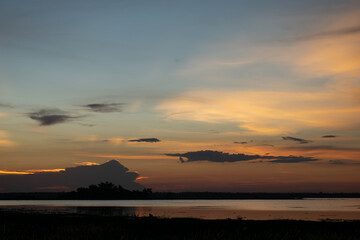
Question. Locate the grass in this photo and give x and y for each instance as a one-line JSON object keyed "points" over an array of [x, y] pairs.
{"points": [[17, 225]]}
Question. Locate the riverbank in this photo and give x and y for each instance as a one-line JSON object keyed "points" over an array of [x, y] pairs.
{"points": [[17, 225]]}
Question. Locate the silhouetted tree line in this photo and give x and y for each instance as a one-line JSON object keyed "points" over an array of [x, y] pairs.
{"points": [[107, 190]]}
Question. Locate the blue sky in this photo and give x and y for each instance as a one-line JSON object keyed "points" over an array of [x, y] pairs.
{"points": [[198, 75]]}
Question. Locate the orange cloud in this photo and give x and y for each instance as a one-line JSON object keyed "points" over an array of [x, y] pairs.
{"points": [[3, 134], [116, 141], [332, 53], [87, 163], [90, 138], [264, 112], [139, 178], [125, 157], [5, 142], [45, 170], [12, 172], [325, 152], [23, 172]]}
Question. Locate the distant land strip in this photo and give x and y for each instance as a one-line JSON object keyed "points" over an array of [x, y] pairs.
{"points": [[179, 195]]}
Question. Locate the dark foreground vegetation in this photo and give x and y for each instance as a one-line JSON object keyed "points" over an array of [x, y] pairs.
{"points": [[17, 225], [108, 190]]}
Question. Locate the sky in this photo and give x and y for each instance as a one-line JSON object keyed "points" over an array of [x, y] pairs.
{"points": [[239, 96]]}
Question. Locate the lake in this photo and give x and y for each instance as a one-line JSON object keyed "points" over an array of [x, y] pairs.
{"points": [[300, 209]]}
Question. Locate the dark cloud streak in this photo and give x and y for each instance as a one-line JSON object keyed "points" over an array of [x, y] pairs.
{"points": [[48, 117], [298, 140], [215, 156], [323, 148], [329, 136], [104, 107], [151, 140]]}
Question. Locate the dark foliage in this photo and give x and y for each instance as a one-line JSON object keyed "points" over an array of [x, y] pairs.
{"points": [[107, 190], [21, 226]]}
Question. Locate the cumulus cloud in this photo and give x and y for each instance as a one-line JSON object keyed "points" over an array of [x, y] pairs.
{"points": [[71, 178], [151, 140], [47, 117], [216, 156], [104, 107], [298, 140]]}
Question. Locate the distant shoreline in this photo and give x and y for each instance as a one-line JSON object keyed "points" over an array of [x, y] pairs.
{"points": [[177, 196]]}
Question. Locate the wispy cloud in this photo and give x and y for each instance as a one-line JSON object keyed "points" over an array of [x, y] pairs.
{"points": [[344, 162], [3, 134], [104, 107], [122, 157], [4, 105], [22, 172], [12, 172], [48, 117], [298, 140], [264, 112], [115, 141], [4, 142], [326, 152], [293, 159], [240, 142], [150, 140], [319, 78], [332, 33], [87, 163], [140, 178], [323, 147], [216, 156]]}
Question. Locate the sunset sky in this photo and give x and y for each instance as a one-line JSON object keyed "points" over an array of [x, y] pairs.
{"points": [[241, 96]]}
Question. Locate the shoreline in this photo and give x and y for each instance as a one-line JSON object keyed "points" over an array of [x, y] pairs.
{"points": [[178, 196], [203, 213]]}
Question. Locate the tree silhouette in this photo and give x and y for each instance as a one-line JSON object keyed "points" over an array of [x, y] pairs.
{"points": [[108, 190]]}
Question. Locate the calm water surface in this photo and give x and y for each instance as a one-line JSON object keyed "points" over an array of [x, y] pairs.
{"points": [[305, 209]]}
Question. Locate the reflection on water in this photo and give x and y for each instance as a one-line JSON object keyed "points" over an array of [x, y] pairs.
{"points": [[106, 211], [307, 209]]}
